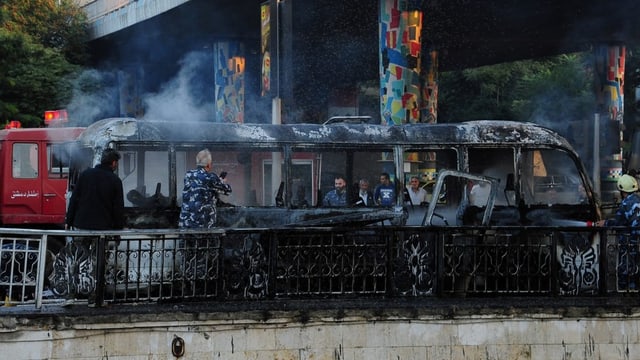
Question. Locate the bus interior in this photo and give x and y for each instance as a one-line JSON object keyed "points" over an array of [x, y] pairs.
{"points": [[522, 183]]}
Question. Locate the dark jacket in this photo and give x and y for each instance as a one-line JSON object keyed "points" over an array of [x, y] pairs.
{"points": [[360, 202], [97, 201]]}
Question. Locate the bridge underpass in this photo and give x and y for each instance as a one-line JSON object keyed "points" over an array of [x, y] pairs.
{"points": [[328, 58], [467, 33], [326, 47]]}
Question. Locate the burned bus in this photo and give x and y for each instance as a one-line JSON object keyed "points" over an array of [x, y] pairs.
{"points": [[510, 173], [500, 200]]}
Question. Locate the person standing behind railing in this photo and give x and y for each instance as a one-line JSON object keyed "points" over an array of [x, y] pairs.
{"points": [[200, 194], [385, 193], [96, 203], [199, 198], [364, 196], [338, 196], [417, 195], [628, 214]]}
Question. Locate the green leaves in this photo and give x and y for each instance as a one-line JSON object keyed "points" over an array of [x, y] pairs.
{"points": [[530, 90], [41, 44]]}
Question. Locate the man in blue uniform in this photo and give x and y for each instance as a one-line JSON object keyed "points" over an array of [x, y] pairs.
{"points": [[198, 211], [200, 194], [337, 196], [628, 214]]}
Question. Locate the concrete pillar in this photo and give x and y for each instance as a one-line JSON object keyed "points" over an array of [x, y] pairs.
{"points": [[229, 65], [609, 84], [429, 107], [131, 80], [400, 62]]}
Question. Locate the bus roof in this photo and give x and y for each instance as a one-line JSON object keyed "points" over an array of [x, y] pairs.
{"points": [[486, 132]]}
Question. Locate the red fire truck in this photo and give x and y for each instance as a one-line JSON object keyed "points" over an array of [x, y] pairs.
{"points": [[34, 170]]}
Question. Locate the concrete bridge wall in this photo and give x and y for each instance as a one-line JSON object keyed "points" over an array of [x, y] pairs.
{"points": [[109, 16], [323, 336]]}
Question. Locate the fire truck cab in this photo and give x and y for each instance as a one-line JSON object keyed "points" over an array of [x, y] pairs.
{"points": [[34, 168]]}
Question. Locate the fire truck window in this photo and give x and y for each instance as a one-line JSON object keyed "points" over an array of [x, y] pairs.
{"points": [[25, 161], [58, 161]]}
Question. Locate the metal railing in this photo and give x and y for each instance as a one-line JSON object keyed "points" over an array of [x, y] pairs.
{"points": [[292, 263]]}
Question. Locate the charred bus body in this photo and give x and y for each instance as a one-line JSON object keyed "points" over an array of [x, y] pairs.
{"points": [[511, 173], [492, 187]]}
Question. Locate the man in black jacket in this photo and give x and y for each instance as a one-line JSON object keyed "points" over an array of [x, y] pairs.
{"points": [[364, 197], [97, 203]]}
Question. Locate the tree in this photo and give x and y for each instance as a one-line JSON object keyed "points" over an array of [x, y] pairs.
{"points": [[562, 91], [557, 89], [42, 44]]}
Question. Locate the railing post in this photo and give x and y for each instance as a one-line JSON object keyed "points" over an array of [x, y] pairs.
{"points": [[221, 284], [604, 262], [272, 240], [554, 270], [42, 264], [391, 239], [439, 259], [100, 269]]}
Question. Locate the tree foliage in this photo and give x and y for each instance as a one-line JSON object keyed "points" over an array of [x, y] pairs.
{"points": [[42, 44], [558, 89]]}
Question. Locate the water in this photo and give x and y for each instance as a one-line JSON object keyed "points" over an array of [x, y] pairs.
{"points": [[565, 222]]}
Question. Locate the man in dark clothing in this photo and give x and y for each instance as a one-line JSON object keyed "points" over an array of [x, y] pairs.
{"points": [[385, 192], [97, 203], [364, 197]]}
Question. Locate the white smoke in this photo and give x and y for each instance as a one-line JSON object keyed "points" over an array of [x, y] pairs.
{"points": [[182, 98], [94, 93]]}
